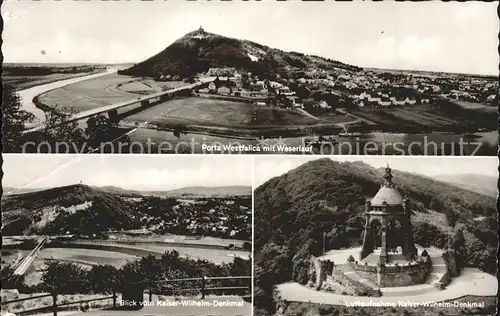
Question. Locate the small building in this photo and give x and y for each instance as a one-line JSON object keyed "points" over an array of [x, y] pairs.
{"points": [[257, 86], [410, 100], [385, 102], [212, 87]]}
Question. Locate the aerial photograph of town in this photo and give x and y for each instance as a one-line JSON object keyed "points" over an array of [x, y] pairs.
{"points": [[384, 235], [248, 78], [126, 235]]}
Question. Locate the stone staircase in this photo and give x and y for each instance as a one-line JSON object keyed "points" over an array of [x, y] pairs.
{"points": [[438, 271]]}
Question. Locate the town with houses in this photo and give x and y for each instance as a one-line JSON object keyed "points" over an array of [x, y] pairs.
{"points": [[320, 90], [227, 217]]}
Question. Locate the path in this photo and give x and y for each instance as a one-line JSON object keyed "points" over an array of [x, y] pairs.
{"points": [[470, 282], [307, 114]]}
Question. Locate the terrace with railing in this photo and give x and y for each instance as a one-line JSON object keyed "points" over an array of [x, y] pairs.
{"points": [[135, 292]]}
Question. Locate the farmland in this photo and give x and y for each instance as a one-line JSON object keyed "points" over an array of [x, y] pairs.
{"points": [[444, 116], [196, 110], [24, 76], [88, 94]]}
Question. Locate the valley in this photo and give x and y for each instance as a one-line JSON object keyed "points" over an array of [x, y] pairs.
{"points": [[246, 91]]}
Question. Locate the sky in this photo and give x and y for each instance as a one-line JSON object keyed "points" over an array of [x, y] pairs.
{"points": [[434, 35], [133, 172], [267, 167]]}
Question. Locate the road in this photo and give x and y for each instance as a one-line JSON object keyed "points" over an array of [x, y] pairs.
{"points": [[116, 106], [470, 282], [107, 108]]}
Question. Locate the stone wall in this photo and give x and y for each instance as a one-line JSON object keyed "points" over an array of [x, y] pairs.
{"points": [[451, 265], [314, 273], [354, 287], [391, 276]]}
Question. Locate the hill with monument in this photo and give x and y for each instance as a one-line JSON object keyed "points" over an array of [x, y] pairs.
{"points": [[198, 51], [382, 226]]}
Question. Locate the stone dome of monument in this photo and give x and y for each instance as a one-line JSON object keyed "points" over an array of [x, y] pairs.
{"points": [[388, 193], [391, 196]]}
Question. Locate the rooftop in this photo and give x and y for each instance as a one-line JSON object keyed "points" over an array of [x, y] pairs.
{"points": [[388, 193]]}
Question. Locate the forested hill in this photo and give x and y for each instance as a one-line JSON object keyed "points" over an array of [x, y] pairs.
{"points": [[198, 51], [83, 210], [293, 211], [74, 208], [305, 198]]}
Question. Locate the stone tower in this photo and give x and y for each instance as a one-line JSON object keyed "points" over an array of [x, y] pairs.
{"points": [[384, 213]]}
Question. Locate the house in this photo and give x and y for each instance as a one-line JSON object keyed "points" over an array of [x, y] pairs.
{"points": [[323, 105], [374, 98], [295, 102], [212, 88], [385, 102], [410, 100], [397, 101], [257, 86], [363, 95]]}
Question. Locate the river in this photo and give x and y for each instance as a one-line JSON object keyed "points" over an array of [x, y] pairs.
{"points": [[27, 95]]}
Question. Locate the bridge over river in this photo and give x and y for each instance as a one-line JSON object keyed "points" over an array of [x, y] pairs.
{"points": [[112, 109], [26, 262]]}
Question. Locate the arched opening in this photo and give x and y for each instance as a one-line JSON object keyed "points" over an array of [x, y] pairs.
{"points": [[394, 235], [376, 233]]}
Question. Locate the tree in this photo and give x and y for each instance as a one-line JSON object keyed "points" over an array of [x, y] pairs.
{"points": [[14, 120], [61, 135], [64, 278], [458, 245], [104, 279], [245, 81], [9, 279], [99, 128]]}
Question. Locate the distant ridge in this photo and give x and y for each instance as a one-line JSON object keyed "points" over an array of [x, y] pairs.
{"points": [[473, 182], [212, 191], [203, 191]]}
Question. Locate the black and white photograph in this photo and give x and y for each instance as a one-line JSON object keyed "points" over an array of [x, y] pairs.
{"points": [[126, 235], [258, 77], [375, 236]]}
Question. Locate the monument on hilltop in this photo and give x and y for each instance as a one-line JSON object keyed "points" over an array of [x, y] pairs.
{"points": [[388, 228]]}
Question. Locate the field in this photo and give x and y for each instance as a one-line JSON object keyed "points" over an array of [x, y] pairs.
{"points": [[88, 94], [148, 86], [27, 76], [196, 110], [446, 117], [277, 116]]}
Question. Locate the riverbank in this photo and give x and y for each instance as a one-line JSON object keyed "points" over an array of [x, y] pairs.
{"points": [[30, 97]]}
